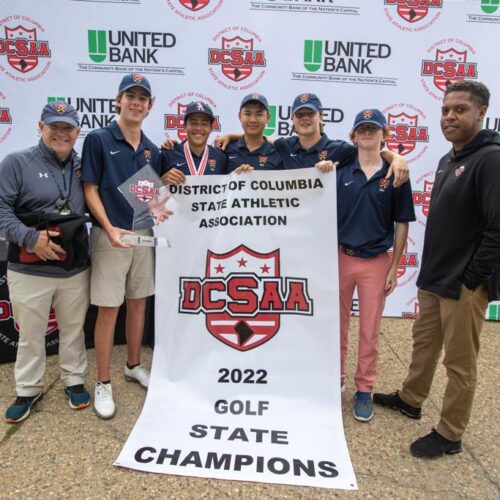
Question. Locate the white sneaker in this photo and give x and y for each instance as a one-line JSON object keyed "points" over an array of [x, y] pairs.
{"points": [[104, 406], [137, 374]]}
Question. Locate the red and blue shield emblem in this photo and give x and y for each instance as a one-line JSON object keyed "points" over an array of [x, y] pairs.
{"points": [[246, 327], [234, 72], [23, 64]]}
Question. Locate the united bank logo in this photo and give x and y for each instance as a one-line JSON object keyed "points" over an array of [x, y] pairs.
{"points": [[484, 12], [239, 62], [416, 14], [489, 6], [25, 49], [243, 296], [452, 62], [280, 124], [5, 119], [195, 10], [340, 61], [123, 51], [174, 121], [94, 112], [409, 134]]}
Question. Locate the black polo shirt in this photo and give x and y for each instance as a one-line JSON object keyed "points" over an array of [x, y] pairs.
{"points": [[368, 209]]}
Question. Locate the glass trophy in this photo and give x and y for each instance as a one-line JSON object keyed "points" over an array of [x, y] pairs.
{"points": [[147, 196]]}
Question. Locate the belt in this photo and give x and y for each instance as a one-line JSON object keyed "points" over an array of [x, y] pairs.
{"points": [[352, 252]]}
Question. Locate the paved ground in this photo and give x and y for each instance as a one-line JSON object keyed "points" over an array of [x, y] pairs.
{"points": [[60, 453]]}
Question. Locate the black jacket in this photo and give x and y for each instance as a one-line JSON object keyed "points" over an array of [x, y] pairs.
{"points": [[462, 236]]}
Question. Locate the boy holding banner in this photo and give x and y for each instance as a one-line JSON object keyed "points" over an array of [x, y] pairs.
{"points": [[253, 150]]}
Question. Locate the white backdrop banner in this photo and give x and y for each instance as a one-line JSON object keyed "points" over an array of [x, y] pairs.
{"points": [[395, 55], [245, 381]]}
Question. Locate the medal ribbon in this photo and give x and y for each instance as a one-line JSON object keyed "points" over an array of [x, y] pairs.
{"points": [[189, 159]]}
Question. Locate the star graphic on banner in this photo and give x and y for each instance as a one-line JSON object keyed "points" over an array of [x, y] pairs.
{"points": [[265, 269], [242, 262], [219, 268]]}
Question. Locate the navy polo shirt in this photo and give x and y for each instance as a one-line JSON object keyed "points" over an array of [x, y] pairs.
{"points": [[265, 157], [294, 155], [108, 160], [367, 209], [175, 158]]}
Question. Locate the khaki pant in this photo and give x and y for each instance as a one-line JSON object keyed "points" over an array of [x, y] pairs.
{"points": [[32, 298], [120, 272], [456, 325]]}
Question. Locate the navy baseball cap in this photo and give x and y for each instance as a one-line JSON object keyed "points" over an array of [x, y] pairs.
{"points": [[198, 107], [259, 98], [306, 100], [135, 80], [373, 116], [60, 111]]}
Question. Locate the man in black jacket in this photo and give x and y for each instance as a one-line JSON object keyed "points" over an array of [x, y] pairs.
{"points": [[460, 270]]}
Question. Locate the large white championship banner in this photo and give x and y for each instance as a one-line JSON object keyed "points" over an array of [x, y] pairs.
{"points": [[395, 55], [245, 381]]}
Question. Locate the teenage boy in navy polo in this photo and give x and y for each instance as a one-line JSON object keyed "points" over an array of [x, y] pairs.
{"points": [[110, 156], [253, 150], [372, 216], [311, 147], [193, 156]]}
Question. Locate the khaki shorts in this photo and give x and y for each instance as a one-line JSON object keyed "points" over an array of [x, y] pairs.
{"points": [[119, 272]]}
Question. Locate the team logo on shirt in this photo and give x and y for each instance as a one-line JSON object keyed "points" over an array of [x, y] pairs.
{"points": [[459, 170], [323, 154], [243, 296], [450, 65], [262, 160], [145, 190], [383, 184], [212, 164], [24, 50], [147, 155], [237, 58], [407, 131]]}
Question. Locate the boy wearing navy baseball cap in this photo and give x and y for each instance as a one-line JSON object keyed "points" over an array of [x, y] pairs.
{"points": [[110, 156]]}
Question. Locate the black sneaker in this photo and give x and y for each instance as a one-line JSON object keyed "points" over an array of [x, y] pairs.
{"points": [[394, 402], [434, 445], [20, 409], [78, 396]]}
